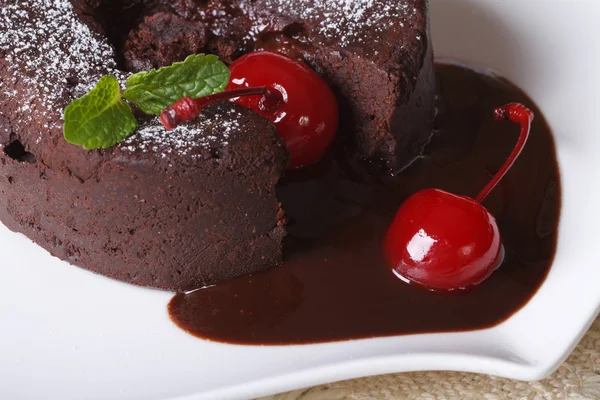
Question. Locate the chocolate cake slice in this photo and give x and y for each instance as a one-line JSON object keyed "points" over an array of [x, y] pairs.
{"points": [[377, 55], [176, 212], [173, 210], [183, 209]]}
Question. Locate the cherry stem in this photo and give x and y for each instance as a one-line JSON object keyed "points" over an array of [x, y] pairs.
{"points": [[513, 112], [188, 109]]}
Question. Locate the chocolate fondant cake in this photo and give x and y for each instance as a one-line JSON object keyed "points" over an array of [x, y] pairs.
{"points": [[183, 209]]}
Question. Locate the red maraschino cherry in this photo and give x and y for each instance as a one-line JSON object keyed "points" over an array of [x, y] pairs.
{"points": [[284, 91], [307, 119], [444, 241]]}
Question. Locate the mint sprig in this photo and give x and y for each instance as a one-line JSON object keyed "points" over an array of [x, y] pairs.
{"points": [[102, 118], [199, 75]]}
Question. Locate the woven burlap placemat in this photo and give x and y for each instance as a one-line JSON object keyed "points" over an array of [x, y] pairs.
{"points": [[577, 378]]}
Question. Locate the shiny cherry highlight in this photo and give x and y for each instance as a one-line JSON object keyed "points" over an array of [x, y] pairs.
{"points": [[307, 117], [443, 241]]}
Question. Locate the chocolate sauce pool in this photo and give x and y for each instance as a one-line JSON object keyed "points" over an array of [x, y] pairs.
{"points": [[334, 284]]}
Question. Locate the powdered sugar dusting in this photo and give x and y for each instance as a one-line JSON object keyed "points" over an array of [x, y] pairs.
{"points": [[51, 54], [347, 21], [54, 57], [207, 132]]}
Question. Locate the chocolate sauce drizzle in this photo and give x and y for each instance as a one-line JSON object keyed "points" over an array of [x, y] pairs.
{"points": [[334, 284]]}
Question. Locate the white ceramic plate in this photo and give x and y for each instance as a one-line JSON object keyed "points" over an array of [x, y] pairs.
{"points": [[68, 334]]}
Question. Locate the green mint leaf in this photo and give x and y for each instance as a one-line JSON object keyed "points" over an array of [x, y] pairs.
{"points": [[199, 75], [101, 118]]}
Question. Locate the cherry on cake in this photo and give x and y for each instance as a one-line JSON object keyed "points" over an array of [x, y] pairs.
{"points": [[188, 208]]}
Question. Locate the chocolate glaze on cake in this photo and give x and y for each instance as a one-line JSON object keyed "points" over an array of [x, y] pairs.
{"points": [[147, 210]]}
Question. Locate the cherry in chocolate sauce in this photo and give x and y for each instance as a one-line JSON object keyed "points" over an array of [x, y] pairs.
{"points": [[334, 284]]}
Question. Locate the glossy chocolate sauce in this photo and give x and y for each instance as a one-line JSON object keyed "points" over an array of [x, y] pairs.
{"points": [[334, 284]]}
